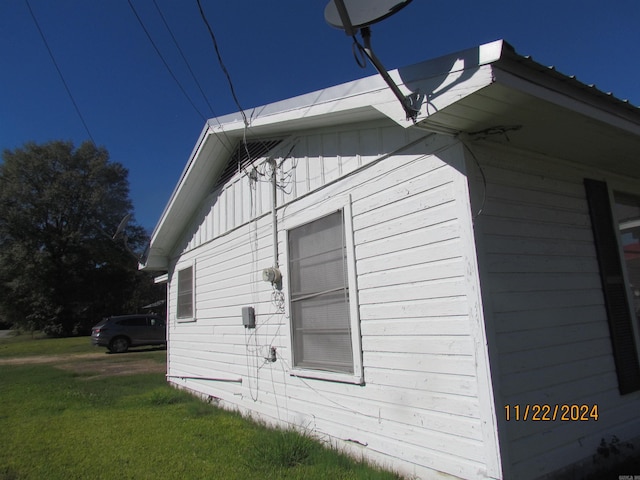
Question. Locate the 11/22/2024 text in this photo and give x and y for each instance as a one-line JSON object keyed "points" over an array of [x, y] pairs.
{"points": [[550, 413]]}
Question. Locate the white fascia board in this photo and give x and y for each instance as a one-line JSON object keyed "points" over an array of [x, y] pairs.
{"points": [[157, 260], [441, 82], [192, 185], [449, 89], [181, 180], [344, 103], [359, 99]]}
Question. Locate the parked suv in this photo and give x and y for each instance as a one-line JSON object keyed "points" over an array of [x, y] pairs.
{"points": [[121, 332]]}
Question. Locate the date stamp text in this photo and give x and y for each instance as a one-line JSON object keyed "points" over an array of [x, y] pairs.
{"points": [[550, 413]]}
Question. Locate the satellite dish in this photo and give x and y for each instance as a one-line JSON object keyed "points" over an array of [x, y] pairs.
{"points": [[354, 15], [361, 13]]}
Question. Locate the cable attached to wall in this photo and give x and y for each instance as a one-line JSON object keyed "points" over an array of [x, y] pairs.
{"points": [[482, 135], [484, 179]]}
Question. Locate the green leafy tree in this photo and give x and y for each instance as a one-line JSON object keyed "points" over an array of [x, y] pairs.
{"points": [[60, 269]]}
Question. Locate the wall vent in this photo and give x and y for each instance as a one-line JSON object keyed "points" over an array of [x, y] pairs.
{"points": [[244, 155]]}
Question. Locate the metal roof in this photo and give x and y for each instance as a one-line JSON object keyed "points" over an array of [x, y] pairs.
{"points": [[573, 81]]}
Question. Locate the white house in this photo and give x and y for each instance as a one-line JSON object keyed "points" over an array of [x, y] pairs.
{"points": [[455, 295]]}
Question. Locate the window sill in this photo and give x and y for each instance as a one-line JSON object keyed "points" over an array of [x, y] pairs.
{"points": [[328, 376], [186, 320]]}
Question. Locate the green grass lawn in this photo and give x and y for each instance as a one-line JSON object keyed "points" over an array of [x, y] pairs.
{"points": [[59, 424], [40, 344]]}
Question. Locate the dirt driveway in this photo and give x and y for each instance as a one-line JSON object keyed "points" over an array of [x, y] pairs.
{"points": [[94, 365]]}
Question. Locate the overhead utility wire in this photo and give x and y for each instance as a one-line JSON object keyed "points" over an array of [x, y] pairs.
{"points": [[233, 91], [164, 61], [175, 42], [224, 69], [64, 82], [226, 142]]}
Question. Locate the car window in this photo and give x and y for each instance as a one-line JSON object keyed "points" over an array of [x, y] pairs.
{"points": [[133, 322]]}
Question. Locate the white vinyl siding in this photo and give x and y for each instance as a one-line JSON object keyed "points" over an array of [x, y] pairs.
{"points": [[414, 392], [544, 306]]}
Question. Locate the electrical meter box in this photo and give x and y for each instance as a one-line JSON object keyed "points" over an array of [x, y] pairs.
{"points": [[248, 317]]}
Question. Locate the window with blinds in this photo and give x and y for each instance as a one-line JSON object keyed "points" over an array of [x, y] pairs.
{"points": [[319, 288], [185, 293]]}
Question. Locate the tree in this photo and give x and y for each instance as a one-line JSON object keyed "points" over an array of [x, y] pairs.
{"points": [[60, 269]]}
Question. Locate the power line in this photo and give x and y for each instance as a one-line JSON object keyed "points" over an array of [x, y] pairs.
{"points": [[224, 69], [64, 82], [175, 42], [231, 87], [164, 61], [226, 142]]}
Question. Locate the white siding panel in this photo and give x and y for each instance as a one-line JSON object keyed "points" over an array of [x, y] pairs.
{"points": [[424, 255], [422, 362], [395, 183], [331, 160], [532, 360], [413, 291], [370, 144], [349, 152], [415, 326], [230, 214], [440, 344], [432, 382], [315, 162], [301, 175], [432, 270], [405, 223], [434, 308], [440, 195], [408, 240]]}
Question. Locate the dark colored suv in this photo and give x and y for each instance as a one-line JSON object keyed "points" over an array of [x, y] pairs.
{"points": [[121, 332]]}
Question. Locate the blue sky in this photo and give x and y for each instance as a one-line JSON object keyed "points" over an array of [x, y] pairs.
{"points": [[272, 50]]}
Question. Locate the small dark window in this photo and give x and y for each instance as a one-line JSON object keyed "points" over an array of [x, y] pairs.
{"points": [[185, 293]]}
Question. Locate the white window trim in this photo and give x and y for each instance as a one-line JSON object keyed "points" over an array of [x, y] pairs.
{"points": [[177, 270], [296, 220]]}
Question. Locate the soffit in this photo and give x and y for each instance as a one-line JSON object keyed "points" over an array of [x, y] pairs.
{"points": [[574, 131]]}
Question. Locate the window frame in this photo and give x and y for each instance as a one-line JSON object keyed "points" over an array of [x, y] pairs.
{"points": [[613, 190], [178, 271], [301, 218], [624, 332]]}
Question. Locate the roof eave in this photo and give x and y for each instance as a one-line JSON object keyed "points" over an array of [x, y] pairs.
{"points": [[436, 84], [446, 79]]}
